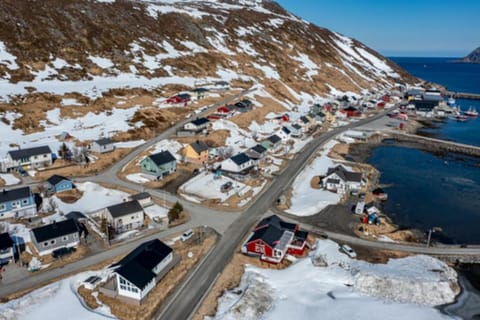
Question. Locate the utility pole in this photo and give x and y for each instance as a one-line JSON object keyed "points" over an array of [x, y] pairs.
{"points": [[429, 237]]}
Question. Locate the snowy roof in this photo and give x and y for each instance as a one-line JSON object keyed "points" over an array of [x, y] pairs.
{"points": [[124, 208], [137, 267], [28, 152], [55, 230], [15, 194]]}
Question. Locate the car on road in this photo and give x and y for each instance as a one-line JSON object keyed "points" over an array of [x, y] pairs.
{"points": [[349, 251], [187, 235]]}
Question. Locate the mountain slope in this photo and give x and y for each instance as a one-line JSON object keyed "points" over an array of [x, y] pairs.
{"points": [[473, 57], [62, 46]]}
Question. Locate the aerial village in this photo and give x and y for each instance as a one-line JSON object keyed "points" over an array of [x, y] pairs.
{"points": [[51, 217]]}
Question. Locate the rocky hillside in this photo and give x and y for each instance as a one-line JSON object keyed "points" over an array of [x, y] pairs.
{"points": [[473, 57], [91, 47]]}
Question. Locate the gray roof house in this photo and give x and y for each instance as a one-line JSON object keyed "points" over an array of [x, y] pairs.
{"points": [[340, 180], [160, 164], [53, 236], [125, 216], [102, 145], [257, 152]]}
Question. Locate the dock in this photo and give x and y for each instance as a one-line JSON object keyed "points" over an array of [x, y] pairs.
{"points": [[463, 95]]}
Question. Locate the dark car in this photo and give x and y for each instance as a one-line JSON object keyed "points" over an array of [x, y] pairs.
{"points": [[62, 252], [22, 172]]}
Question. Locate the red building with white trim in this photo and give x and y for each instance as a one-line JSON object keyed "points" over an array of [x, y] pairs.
{"points": [[272, 238]]}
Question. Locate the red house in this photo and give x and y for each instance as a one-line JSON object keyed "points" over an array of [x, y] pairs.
{"points": [[184, 98], [285, 117], [272, 238], [381, 104], [386, 98], [223, 109], [351, 111], [328, 107]]}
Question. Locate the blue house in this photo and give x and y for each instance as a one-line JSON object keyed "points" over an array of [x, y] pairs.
{"points": [[58, 183], [17, 203], [159, 164]]}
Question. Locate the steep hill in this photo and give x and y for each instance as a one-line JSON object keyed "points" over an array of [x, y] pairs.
{"points": [[473, 57], [90, 47]]}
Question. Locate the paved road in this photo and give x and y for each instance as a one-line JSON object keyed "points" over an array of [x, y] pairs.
{"points": [[187, 297]]}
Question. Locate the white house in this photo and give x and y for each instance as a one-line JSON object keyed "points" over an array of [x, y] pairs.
{"points": [[125, 216], [284, 133], [237, 164], [6, 248], [295, 130], [341, 180], [144, 198], [138, 273], [197, 124], [36, 157], [102, 145]]}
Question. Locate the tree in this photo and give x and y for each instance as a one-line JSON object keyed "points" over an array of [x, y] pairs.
{"points": [[64, 152], [175, 211], [107, 229]]}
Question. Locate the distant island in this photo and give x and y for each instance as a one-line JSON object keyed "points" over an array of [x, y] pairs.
{"points": [[473, 57]]}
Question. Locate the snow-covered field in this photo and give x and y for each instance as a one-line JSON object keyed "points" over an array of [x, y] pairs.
{"points": [[305, 200], [94, 198], [56, 301], [404, 288], [204, 186]]}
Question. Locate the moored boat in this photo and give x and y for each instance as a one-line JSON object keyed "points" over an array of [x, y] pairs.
{"points": [[471, 112]]}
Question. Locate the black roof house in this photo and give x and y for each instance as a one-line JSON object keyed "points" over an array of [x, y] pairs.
{"points": [[104, 141], [274, 139], [55, 230], [344, 174], [15, 194], [199, 146], [259, 149], [55, 179], [162, 158], [5, 241], [240, 158], [137, 267], [29, 152], [275, 221], [124, 208], [286, 130], [200, 121], [268, 234]]}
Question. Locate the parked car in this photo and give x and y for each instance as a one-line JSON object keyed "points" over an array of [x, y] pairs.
{"points": [[187, 235], [62, 252], [22, 172], [349, 251]]}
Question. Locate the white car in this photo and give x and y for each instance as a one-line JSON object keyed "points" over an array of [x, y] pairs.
{"points": [[349, 251], [187, 235]]}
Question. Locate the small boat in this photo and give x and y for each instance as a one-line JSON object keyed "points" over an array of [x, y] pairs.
{"points": [[451, 102], [472, 112], [461, 118]]}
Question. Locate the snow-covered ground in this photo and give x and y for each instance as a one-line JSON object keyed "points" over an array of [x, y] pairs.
{"points": [[204, 186], [9, 179], [94, 198], [345, 289], [56, 301], [305, 200]]}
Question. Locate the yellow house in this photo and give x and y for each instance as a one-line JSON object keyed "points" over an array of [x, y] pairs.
{"points": [[330, 116], [196, 152]]}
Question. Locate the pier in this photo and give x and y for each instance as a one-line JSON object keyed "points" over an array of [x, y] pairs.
{"points": [[463, 95], [437, 144]]}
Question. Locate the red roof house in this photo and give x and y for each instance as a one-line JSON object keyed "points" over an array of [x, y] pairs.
{"points": [[272, 238], [184, 98], [386, 98], [351, 111]]}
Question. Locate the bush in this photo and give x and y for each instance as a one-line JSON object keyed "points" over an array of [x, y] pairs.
{"points": [[174, 212]]}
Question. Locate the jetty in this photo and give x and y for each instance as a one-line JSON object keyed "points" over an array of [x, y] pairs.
{"points": [[436, 144], [463, 95]]}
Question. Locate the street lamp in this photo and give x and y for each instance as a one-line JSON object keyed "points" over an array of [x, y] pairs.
{"points": [[430, 231]]}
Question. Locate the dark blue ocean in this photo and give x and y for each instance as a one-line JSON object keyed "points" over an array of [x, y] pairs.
{"points": [[430, 190]]}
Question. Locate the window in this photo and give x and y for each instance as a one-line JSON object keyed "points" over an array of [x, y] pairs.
{"points": [[2, 206], [45, 155], [65, 238], [15, 204], [35, 157], [133, 217], [122, 281], [45, 244], [75, 236], [25, 201], [52, 241]]}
